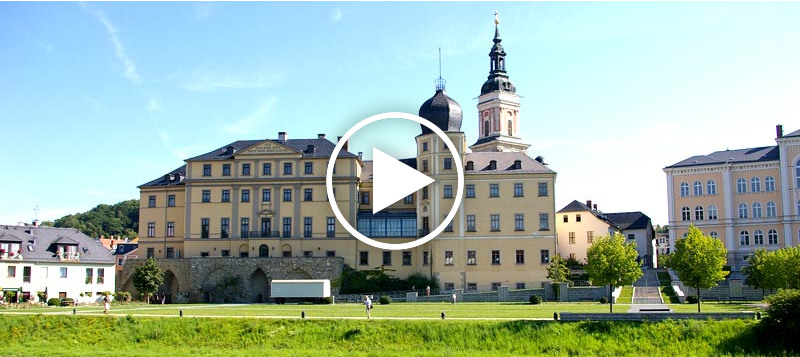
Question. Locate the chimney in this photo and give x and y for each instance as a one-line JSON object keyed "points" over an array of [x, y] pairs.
{"points": [[360, 156], [345, 146], [779, 131], [321, 136], [283, 136], [35, 222], [589, 203], [595, 206]]}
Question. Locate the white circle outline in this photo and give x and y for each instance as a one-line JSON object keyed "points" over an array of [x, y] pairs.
{"points": [[355, 232]]}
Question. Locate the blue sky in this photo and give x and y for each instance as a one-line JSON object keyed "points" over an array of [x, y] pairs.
{"points": [[98, 98]]}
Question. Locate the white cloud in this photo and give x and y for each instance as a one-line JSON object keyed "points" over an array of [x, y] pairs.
{"points": [[119, 48], [210, 82], [154, 105], [252, 121], [203, 9], [336, 15], [182, 152]]}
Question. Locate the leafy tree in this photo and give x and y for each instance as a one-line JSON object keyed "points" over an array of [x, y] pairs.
{"points": [[612, 262], [774, 270], [120, 219], [147, 278], [699, 260], [756, 274], [558, 272]]}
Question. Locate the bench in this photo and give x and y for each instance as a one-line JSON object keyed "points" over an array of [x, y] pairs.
{"points": [[654, 310]]}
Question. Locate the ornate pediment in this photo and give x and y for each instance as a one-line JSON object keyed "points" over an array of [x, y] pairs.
{"points": [[267, 148]]}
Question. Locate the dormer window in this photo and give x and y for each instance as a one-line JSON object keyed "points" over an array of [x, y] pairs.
{"points": [[517, 164], [470, 166], [493, 165]]}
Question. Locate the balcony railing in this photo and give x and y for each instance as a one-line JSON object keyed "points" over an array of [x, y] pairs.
{"points": [[67, 256], [264, 234], [422, 232]]}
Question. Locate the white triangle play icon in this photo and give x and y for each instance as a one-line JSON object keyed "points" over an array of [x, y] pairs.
{"points": [[393, 180]]}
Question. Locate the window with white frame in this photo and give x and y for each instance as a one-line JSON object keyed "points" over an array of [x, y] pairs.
{"points": [[698, 188], [741, 186], [769, 184], [771, 209], [712, 212], [758, 237], [772, 237], [755, 184], [756, 210], [686, 214], [684, 189], [744, 238], [742, 210], [797, 174], [711, 187], [698, 213]]}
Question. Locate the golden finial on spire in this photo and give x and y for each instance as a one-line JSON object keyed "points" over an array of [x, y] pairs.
{"points": [[496, 17]]}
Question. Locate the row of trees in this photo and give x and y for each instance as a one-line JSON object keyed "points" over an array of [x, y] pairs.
{"points": [[120, 219], [777, 269], [698, 259]]}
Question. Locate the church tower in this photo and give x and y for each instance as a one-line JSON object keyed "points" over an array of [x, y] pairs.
{"points": [[498, 105]]}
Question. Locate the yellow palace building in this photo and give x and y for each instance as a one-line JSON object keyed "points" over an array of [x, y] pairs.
{"points": [[747, 198], [267, 198]]}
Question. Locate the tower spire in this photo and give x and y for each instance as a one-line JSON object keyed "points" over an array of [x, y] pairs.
{"points": [[440, 82]]}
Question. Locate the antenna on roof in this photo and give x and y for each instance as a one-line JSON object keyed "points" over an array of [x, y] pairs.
{"points": [[36, 213], [440, 82]]}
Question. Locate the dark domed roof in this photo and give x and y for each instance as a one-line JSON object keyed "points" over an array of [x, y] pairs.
{"points": [[442, 111], [497, 82]]}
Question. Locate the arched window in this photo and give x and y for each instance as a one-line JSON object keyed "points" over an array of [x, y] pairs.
{"points": [[510, 129], [742, 210], [755, 184], [758, 237], [698, 188], [741, 186], [756, 210], [684, 189], [711, 187], [712, 212], [485, 128], [744, 238], [772, 237], [771, 209], [714, 235], [769, 184], [686, 214], [698, 213], [263, 251]]}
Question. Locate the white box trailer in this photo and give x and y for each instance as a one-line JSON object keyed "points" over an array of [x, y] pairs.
{"points": [[307, 288]]}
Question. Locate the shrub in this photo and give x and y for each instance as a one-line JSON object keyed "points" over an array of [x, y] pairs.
{"points": [[535, 299], [782, 323], [10, 295], [120, 295], [604, 300], [385, 300], [42, 296], [54, 302], [327, 300], [691, 299]]}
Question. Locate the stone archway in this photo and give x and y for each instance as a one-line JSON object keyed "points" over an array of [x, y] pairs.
{"points": [[259, 286], [170, 287], [263, 251]]}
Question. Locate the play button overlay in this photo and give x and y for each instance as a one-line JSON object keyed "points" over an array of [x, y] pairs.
{"points": [[392, 180]]}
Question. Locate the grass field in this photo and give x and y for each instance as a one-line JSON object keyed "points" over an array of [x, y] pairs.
{"points": [[514, 311], [45, 335], [626, 296]]}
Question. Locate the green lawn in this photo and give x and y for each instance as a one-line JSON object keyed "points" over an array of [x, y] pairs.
{"points": [[626, 296], [45, 335], [394, 311]]}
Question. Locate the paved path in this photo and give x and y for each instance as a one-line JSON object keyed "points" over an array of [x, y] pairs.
{"points": [[646, 293]]}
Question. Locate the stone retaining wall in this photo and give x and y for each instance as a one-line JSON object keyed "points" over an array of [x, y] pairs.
{"points": [[230, 279]]}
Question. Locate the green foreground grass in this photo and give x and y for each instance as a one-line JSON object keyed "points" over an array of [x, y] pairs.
{"points": [[42, 335]]}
